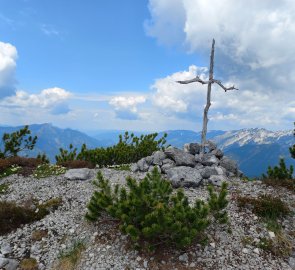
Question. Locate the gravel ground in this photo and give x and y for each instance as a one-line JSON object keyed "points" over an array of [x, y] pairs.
{"points": [[107, 248]]}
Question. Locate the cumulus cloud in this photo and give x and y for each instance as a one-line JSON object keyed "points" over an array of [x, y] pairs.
{"points": [[254, 51], [126, 106], [250, 107], [8, 56], [256, 33], [51, 98]]}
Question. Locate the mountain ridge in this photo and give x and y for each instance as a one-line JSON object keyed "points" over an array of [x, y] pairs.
{"points": [[253, 148]]}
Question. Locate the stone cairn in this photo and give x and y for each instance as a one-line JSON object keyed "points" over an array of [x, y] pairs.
{"points": [[189, 167]]}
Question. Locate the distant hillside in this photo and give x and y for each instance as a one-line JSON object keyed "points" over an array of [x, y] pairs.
{"points": [[254, 149], [51, 138]]}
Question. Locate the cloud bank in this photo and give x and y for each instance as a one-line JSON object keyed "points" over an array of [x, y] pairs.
{"points": [[8, 56]]}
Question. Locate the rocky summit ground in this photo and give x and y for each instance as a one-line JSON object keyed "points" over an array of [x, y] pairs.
{"points": [[234, 247]]}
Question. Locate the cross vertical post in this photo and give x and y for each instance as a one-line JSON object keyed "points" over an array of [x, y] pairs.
{"points": [[208, 104]]}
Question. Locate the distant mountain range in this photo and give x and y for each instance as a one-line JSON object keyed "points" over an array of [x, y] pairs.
{"points": [[254, 149]]}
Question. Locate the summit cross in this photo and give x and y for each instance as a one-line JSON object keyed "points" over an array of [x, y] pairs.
{"points": [[209, 82]]}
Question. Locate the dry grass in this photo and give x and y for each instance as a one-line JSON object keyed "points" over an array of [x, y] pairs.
{"points": [[69, 259], [28, 264], [39, 234], [286, 183], [76, 164]]}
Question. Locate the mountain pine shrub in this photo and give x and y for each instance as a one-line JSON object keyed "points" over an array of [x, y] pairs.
{"points": [[280, 172], [16, 142], [129, 149], [149, 210]]}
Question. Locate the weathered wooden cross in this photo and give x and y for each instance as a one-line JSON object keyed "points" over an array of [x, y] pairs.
{"points": [[209, 82]]}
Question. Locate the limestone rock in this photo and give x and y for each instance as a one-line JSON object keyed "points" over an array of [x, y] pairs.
{"points": [[78, 174], [218, 153], [216, 180], [192, 148], [208, 171], [134, 167], [209, 160], [158, 157], [183, 176], [142, 165], [180, 157], [229, 164]]}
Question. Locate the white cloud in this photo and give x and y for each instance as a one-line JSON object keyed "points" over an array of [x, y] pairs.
{"points": [[249, 107], [256, 33], [50, 98], [175, 98], [126, 106], [8, 56]]}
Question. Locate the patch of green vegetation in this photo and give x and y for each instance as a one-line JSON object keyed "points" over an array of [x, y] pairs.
{"points": [[150, 213], [247, 240], [46, 170], [265, 206], [9, 171], [129, 149], [273, 225], [3, 188], [279, 246], [12, 216], [68, 259]]}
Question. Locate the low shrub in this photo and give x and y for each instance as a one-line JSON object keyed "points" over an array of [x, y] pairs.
{"points": [[129, 149], [3, 188], [75, 164], [265, 206], [12, 216], [4, 165], [280, 172], [46, 170], [149, 211]]}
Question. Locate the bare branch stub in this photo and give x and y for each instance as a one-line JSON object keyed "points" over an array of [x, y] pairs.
{"points": [[209, 83]]}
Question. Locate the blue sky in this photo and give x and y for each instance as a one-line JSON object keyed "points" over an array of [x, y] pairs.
{"points": [[93, 65]]}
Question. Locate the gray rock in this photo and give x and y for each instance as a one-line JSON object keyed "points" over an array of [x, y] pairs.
{"points": [[240, 173], [134, 167], [208, 171], [180, 157], [183, 257], [166, 167], [229, 164], [158, 157], [199, 166], [183, 176], [149, 160], [3, 262], [78, 174], [152, 167], [5, 249], [211, 146], [209, 160], [220, 170], [192, 148], [199, 157], [11, 265], [142, 165], [218, 153], [168, 161], [216, 180], [291, 262]]}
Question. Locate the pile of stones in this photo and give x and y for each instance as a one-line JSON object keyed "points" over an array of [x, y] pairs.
{"points": [[190, 167]]}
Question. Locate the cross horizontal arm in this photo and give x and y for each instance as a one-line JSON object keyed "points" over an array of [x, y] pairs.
{"points": [[223, 87], [197, 79]]}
